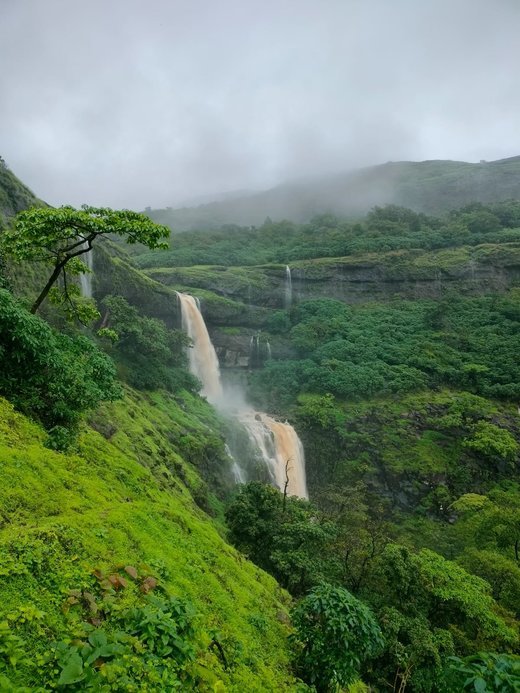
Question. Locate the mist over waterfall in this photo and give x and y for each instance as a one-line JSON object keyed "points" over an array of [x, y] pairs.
{"points": [[85, 279], [277, 443], [288, 287], [202, 356]]}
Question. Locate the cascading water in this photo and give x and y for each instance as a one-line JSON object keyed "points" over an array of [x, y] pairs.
{"points": [[202, 356], [85, 279], [280, 448], [288, 287], [277, 443]]}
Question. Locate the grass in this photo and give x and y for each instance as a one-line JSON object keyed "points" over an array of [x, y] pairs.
{"points": [[106, 506]]}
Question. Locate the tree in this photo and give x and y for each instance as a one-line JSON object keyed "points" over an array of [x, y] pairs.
{"points": [[58, 237], [335, 633], [291, 539], [430, 607]]}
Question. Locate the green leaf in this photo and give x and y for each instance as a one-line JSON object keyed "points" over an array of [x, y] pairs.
{"points": [[72, 672]]}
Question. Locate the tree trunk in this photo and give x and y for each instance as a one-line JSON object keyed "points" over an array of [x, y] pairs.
{"points": [[52, 279]]}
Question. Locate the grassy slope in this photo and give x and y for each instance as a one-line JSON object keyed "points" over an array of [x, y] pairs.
{"points": [[14, 195], [63, 516]]}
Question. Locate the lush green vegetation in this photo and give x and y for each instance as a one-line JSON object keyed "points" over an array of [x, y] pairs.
{"points": [[428, 608], [355, 352], [111, 577], [150, 356], [49, 375], [384, 229], [14, 195], [403, 572], [59, 237]]}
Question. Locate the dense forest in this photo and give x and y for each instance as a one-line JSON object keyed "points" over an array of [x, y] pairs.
{"points": [[131, 559]]}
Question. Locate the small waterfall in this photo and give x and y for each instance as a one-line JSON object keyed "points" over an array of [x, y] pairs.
{"points": [[259, 351], [235, 467], [281, 450], [85, 279], [202, 356], [277, 442], [288, 287]]}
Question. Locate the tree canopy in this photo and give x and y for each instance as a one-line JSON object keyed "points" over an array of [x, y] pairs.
{"points": [[58, 237]]}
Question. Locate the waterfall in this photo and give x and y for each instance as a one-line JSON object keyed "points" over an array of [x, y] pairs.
{"points": [[288, 287], [277, 443], [281, 450], [85, 279], [202, 356], [235, 467], [254, 351]]}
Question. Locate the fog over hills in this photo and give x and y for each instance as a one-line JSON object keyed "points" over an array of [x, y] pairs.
{"points": [[433, 187]]}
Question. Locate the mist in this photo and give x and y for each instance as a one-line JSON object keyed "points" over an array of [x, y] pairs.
{"points": [[133, 104]]}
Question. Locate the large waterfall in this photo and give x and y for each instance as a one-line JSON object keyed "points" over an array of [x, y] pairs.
{"points": [[202, 356], [277, 443], [85, 279]]}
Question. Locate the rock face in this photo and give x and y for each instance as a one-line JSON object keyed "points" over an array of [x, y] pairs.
{"points": [[405, 276], [238, 302], [409, 274]]}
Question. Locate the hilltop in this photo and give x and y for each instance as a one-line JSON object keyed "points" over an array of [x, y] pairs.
{"points": [[14, 195], [432, 187]]}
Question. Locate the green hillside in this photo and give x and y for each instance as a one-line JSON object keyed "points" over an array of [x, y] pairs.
{"points": [[88, 537], [133, 561], [14, 195]]}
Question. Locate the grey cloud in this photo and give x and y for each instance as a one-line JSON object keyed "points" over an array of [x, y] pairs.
{"points": [[134, 103]]}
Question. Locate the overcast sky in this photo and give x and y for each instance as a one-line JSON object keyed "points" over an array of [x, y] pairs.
{"points": [[130, 103]]}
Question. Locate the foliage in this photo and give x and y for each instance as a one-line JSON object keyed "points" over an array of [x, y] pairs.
{"points": [[151, 356], [384, 229], [58, 237], [335, 634], [492, 441], [494, 520], [49, 375], [484, 672], [286, 537], [428, 608], [355, 352], [96, 538]]}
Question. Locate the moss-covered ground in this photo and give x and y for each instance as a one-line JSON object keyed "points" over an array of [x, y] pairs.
{"points": [[113, 508]]}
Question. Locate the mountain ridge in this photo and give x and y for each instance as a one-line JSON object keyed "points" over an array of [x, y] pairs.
{"points": [[431, 186]]}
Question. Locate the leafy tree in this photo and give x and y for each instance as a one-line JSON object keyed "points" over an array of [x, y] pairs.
{"points": [[494, 519], [335, 634], [430, 607], [58, 237], [291, 540], [492, 442]]}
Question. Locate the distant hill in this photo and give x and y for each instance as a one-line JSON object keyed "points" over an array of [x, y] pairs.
{"points": [[14, 195], [433, 187]]}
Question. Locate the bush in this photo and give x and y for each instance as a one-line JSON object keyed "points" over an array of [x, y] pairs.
{"points": [[50, 376], [335, 633]]}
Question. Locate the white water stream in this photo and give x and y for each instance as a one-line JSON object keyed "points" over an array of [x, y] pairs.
{"points": [[85, 279], [277, 442], [288, 287]]}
